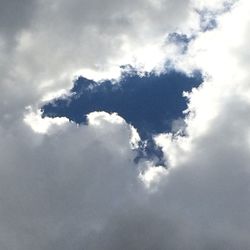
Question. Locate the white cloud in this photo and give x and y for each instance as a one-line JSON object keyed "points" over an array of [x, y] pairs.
{"points": [[42, 125], [151, 175]]}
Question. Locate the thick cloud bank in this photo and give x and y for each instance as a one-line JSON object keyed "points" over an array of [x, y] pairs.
{"points": [[64, 186]]}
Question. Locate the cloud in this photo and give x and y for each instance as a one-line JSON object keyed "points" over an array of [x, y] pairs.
{"points": [[77, 187], [58, 187]]}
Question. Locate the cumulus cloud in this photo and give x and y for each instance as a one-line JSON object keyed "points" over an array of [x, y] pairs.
{"points": [[77, 187]]}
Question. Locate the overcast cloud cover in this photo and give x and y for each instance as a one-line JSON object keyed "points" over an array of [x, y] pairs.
{"points": [[64, 186]]}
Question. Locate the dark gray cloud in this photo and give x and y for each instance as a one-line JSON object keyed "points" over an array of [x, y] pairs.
{"points": [[16, 15], [51, 198]]}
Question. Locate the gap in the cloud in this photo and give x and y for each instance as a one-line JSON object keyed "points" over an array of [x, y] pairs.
{"points": [[181, 40], [208, 17], [150, 102], [208, 20]]}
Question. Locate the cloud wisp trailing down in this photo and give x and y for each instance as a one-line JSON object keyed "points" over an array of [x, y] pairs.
{"points": [[68, 186]]}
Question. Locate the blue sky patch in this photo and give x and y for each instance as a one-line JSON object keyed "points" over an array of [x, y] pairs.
{"points": [[179, 39], [150, 102]]}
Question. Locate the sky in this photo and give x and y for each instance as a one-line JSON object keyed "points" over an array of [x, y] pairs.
{"points": [[151, 103], [124, 124]]}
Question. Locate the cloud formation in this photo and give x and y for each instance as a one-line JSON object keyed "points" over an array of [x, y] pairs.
{"points": [[77, 187]]}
